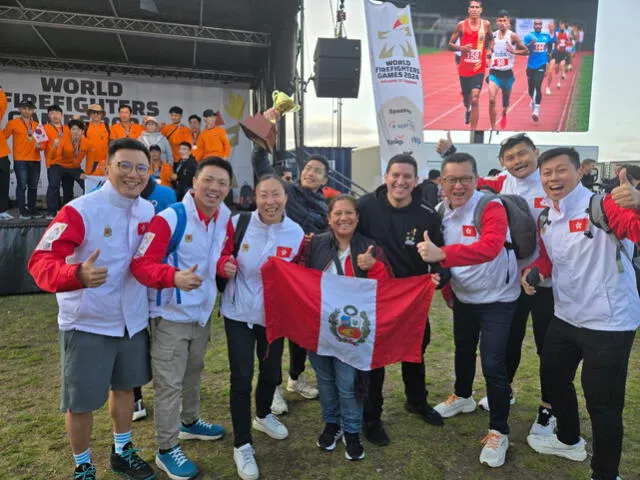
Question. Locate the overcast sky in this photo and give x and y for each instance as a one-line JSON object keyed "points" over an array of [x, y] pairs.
{"points": [[615, 104]]}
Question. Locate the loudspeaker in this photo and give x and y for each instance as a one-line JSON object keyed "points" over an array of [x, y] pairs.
{"points": [[337, 68]]}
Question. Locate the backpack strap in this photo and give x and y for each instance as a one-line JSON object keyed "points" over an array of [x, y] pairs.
{"points": [[543, 219], [174, 242], [241, 229], [479, 210]]}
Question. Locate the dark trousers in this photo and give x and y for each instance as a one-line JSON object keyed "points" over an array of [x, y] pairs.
{"points": [[490, 324], [297, 359], [27, 178], [58, 175], [540, 306], [5, 180], [535, 79], [605, 357], [413, 376], [241, 343]]}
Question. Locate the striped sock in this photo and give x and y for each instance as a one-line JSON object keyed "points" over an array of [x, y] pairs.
{"points": [[84, 457], [120, 440]]}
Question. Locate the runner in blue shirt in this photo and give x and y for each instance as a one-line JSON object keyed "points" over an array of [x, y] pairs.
{"points": [[538, 45]]}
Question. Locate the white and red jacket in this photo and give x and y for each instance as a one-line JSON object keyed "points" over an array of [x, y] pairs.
{"points": [[482, 269], [201, 244], [115, 224], [531, 190], [243, 298], [588, 290]]}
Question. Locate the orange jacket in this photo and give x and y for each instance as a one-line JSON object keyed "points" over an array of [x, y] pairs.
{"points": [[117, 131], [213, 142], [68, 158], [162, 172], [53, 151], [23, 148], [4, 146], [176, 134], [98, 137]]}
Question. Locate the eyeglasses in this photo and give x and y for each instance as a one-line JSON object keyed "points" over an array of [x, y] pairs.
{"points": [[127, 167], [465, 181], [317, 171]]}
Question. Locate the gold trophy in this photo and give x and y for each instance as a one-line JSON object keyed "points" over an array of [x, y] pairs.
{"points": [[261, 127]]}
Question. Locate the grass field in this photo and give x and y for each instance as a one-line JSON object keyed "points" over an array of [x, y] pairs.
{"points": [[578, 119], [34, 445]]}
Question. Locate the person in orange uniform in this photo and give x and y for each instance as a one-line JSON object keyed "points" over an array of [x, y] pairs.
{"points": [[97, 132], [67, 167], [5, 165], [194, 127], [176, 132], [160, 170], [125, 128], [213, 141], [56, 132], [26, 159]]}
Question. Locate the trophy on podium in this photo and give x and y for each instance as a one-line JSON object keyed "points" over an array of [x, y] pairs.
{"points": [[261, 127]]}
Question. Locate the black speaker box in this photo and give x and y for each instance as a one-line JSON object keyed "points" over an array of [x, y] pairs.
{"points": [[337, 68]]}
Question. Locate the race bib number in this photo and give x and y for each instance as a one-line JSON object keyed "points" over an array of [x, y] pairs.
{"points": [[500, 62], [144, 244], [51, 235], [473, 56], [539, 47]]}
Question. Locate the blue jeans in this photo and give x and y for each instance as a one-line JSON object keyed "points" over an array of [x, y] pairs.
{"points": [[336, 384], [490, 324], [27, 178]]}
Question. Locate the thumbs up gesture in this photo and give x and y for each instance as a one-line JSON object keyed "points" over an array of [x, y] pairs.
{"points": [[428, 251], [90, 275], [366, 260], [626, 196], [444, 144], [231, 267], [187, 279]]}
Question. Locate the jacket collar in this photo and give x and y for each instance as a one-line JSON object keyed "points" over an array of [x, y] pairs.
{"points": [[570, 203], [116, 199]]}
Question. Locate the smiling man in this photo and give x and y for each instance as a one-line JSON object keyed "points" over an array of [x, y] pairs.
{"points": [[84, 258]]}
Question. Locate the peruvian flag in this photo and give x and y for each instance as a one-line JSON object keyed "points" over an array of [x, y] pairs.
{"points": [[365, 323]]}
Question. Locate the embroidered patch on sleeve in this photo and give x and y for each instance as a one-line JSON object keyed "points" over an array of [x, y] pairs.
{"points": [[144, 244], [51, 235]]}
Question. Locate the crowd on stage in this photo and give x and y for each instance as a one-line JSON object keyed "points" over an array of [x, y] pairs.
{"points": [[136, 284]]}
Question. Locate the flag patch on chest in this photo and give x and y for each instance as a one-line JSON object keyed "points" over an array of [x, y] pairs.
{"points": [[469, 231], [537, 202], [283, 252], [578, 225]]}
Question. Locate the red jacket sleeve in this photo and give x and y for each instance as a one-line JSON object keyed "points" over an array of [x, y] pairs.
{"points": [[624, 222], [543, 262], [378, 271], [147, 264], [494, 184], [492, 239], [227, 250], [48, 265]]}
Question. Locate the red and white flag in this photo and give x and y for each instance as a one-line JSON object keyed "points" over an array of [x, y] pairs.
{"points": [[365, 323]]}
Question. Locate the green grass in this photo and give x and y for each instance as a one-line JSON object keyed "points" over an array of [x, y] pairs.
{"points": [[428, 50], [578, 118], [34, 444]]}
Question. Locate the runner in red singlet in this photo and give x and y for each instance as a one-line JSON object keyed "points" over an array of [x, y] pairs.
{"points": [[476, 43], [563, 45]]}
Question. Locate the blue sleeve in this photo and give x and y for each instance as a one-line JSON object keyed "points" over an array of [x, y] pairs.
{"points": [[527, 38]]}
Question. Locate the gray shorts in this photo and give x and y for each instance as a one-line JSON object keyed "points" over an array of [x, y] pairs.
{"points": [[91, 364]]}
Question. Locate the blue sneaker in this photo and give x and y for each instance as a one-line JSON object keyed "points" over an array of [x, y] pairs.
{"points": [[176, 464], [201, 431]]}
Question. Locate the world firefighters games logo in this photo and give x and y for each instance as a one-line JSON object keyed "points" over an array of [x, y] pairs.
{"points": [[401, 35], [350, 325]]}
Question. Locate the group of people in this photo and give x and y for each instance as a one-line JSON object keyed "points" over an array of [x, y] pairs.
{"points": [[478, 47], [136, 292], [78, 149]]}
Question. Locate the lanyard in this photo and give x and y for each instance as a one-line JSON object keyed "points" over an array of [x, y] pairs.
{"points": [[76, 149], [60, 132], [29, 128]]}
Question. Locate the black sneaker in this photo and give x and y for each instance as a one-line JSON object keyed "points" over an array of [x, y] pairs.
{"points": [[427, 413], [353, 446], [84, 471], [376, 434], [129, 464], [467, 117], [329, 437]]}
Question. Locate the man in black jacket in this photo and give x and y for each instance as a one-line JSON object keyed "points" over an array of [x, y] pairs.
{"points": [[429, 189], [396, 218], [184, 170]]}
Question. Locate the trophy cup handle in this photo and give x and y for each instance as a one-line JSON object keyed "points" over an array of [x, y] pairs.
{"points": [[274, 95]]}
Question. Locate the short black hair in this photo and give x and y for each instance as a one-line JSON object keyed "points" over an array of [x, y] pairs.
{"points": [[76, 123], [191, 117], [185, 144], [433, 174], [344, 196], [215, 162], [124, 105], [322, 159], [493, 172], [502, 14], [514, 140], [571, 152], [54, 108], [587, 161], [127, 144], [405, 158], [461, 157], [284, 169], [633, 171], [477, 1], [176, 109], [271, 176], [155, 148]]}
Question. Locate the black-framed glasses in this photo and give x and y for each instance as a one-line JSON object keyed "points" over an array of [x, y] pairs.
{"points": [[128, 167], [465, 180]]}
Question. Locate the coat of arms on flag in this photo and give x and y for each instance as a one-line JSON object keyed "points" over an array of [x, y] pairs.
{"points": [[349, 325]]}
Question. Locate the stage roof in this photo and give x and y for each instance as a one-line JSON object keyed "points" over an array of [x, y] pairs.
{"points": [[220, 41]]}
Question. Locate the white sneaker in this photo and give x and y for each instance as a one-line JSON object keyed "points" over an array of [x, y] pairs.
{"points": [[536, 114], [271, 426], [548, 91], [559, 84], [5, 216], [545, 423], [495, 449], [246, 462], [139, 412], [550, 445], [302, 387], [279, 404], [484, 403], [454, 405]]}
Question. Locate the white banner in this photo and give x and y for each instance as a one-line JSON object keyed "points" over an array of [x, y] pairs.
{"points": [[74, 93], [397, 81]]}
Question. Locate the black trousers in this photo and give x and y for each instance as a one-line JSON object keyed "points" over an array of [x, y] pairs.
{"points": [[413, 376], [5, 177], [297, 359], [241, 343], [540, 306], [535, 77], [605, 359]]}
